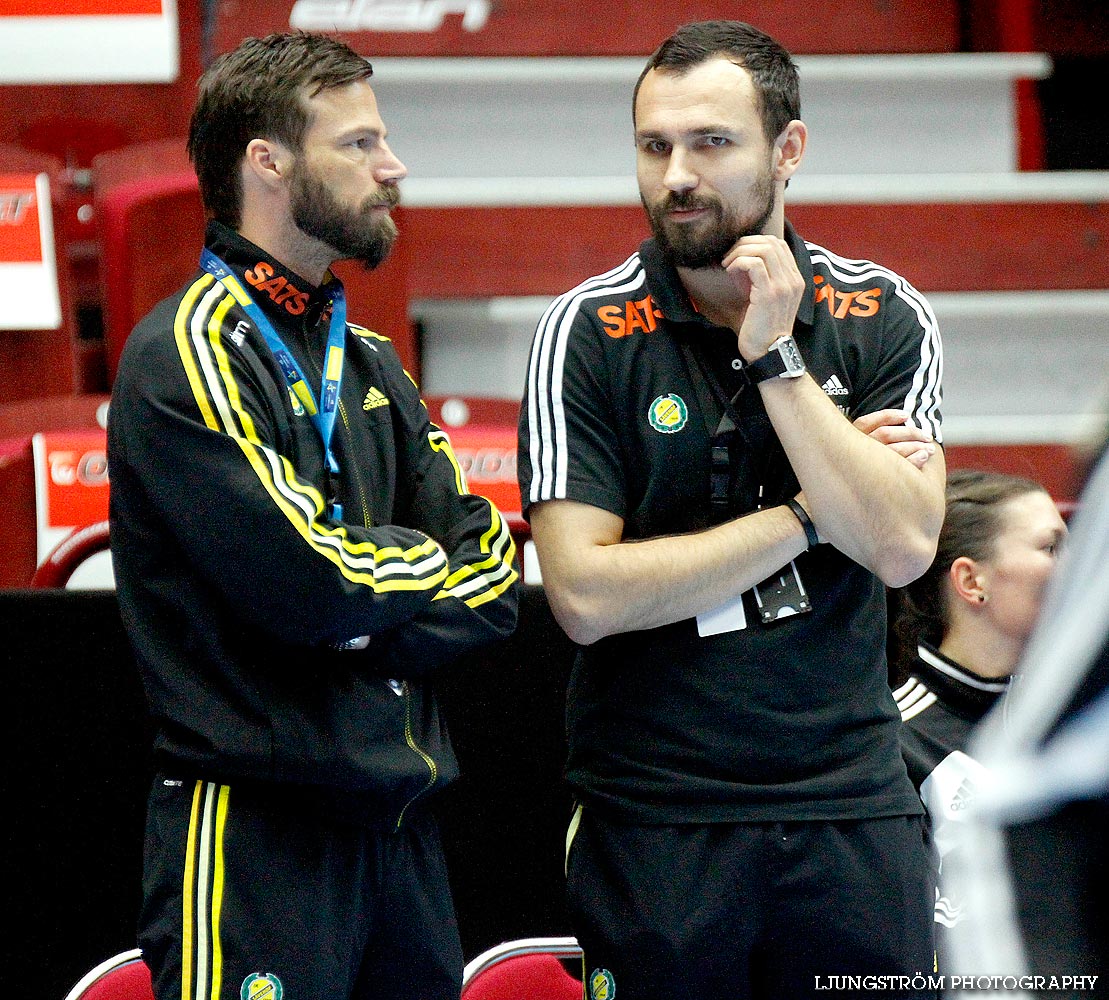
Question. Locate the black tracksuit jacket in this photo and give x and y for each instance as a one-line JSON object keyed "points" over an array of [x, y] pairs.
{"points": [[236, 584]]}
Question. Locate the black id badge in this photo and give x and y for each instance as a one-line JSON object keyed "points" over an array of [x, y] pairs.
{"points": [[782, 595]]}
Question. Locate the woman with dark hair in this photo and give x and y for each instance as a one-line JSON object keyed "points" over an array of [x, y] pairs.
{"points": [[966, 621]]}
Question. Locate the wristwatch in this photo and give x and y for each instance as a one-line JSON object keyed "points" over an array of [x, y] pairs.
{"points": [[783, 359]]}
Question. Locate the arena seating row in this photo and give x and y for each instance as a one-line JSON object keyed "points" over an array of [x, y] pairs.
{"points": [[1009, 254], [54, 483], [1028, 233]]}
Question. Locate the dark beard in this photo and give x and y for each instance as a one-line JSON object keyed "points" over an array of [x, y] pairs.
{"points": [[690, 245], [354, 234]]}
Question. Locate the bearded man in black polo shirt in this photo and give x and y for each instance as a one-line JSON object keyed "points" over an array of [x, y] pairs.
{"points": [[728, 445]]}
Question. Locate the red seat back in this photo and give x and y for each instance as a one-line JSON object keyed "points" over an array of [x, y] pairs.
{"points": [[530, 968], [39, 361], [122, 977], [537, 977], [151, 228]]}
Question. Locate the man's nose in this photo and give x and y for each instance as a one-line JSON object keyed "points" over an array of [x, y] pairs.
{"points": [[679, 175], [390, 169]]}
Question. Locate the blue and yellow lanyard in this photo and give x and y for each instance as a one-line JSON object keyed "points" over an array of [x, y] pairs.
{"points": [[322, 414]]}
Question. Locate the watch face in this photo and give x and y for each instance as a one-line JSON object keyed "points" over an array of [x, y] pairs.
{"points": [[791, 356]]}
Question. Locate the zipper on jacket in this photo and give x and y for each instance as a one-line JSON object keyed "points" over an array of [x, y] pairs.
{"points": [[432, 767], [367, 521]]}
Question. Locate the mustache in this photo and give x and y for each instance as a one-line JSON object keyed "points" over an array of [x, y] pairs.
{"points": [[388, 198], [683, 201]]}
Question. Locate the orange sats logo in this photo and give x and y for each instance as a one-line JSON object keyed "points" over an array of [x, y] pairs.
{"points": [[631, 317], [842, 303], [283, 292]]}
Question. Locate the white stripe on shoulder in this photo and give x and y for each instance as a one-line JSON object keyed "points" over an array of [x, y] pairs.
{"points": [[923, 400], [996, 686], [899, 693], [911, 711], [548, 438], [909, 694]]}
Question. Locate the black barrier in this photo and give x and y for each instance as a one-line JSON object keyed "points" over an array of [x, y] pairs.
{"points": [[77, 746], [504, 821]]}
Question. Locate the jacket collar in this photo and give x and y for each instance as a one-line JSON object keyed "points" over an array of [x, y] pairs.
{"points": [[285, 297], [955, 685]]}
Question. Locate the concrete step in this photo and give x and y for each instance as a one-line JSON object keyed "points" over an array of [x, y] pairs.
{"points": [[496, 118]]}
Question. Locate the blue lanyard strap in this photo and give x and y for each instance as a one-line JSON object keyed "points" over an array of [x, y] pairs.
{"points": [[324, 412]]}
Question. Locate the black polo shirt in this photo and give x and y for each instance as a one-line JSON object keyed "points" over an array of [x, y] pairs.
{"points": [[792, 720]]}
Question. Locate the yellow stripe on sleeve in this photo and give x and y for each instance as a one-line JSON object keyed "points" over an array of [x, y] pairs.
{"points": [[386, 569], [181, 335]]}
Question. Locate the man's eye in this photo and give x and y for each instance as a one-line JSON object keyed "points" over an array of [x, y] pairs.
{"points": [[714, 140]]}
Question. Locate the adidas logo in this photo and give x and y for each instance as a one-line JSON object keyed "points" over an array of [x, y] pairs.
{"points": [[374, 399], [834, 387], [238, 335], [963, 797]]}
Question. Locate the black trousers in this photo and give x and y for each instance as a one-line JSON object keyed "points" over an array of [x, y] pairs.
{"points": [[248, 896], [751, 910]]}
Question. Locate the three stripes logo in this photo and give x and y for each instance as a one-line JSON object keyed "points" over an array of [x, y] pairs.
{"points": [[963, 797], [374, 398], [834, 387]]}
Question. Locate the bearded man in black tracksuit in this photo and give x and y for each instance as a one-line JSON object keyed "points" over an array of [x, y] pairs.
{"points": [[295, 553]]}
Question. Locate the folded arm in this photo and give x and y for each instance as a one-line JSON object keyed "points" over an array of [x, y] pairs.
{"points": [[864, 497], [883, 512], [599, 584]]}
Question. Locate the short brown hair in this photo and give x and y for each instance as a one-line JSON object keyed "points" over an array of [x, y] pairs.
{"points": [[771, 67], [256, 91]]}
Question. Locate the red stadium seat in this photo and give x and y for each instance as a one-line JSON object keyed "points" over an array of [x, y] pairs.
{"points": [[71, 552], [151, 226], [19, 423], [529, 967], [123, 977]]}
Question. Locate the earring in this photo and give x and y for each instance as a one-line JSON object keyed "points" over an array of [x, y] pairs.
{"points": [[981, 598]]}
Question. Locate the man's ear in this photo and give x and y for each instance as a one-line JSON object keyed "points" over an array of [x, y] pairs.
{"points": [[267, 162], [789, 150]]}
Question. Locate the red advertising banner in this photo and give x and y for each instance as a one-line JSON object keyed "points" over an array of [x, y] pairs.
{"points": [[88, 41], [487, 455], [20, 233], [572, 28], [71, 482], [78, 8]]}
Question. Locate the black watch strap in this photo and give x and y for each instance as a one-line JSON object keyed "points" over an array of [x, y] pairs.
{"points": [[769, 365], [782, 360]]}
